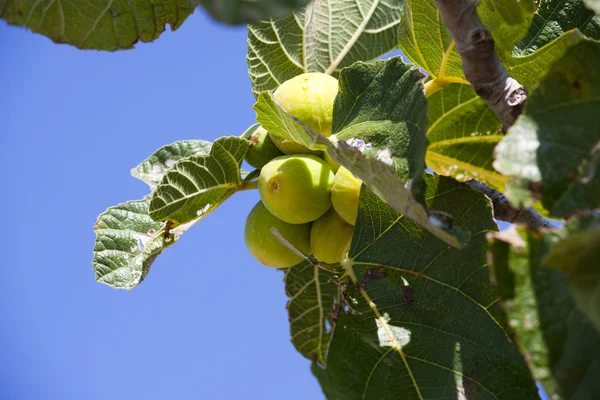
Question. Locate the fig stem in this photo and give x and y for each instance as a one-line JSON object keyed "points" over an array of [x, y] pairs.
{"points": [[248, 185]]}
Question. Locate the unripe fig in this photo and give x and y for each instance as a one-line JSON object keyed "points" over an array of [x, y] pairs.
{"points": [[288, 146], [345, 192], [266, 247], [329, 236], [262, 148], [296, 188], [309, 98]]}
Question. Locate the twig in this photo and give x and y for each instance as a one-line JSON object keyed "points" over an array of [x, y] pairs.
{"points": [[505, 211], [481, 65]]}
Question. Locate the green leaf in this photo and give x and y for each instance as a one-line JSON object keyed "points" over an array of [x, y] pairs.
{"points": [[463, 132], [313, 299], [152, 169], [554, 147], [325, 37], [530, 68], [196, 185], [127, 243], [577, 255], [426, 42], [553, 18], [373, 169], [97, 24], [235, 12], [424, 322], [560, 344]]}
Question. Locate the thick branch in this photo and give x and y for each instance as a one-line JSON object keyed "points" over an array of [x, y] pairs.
{"points": [[505, 211], [481, 65]]}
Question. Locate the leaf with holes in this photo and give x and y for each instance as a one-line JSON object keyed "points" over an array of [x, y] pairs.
{"points": [[539, 151], [152, 169], [127, 243], [325, 37], [196, 185], [424, 316], [426, 42], [96, 24], [373, 169], [312, 308], [560, 343], [462, 134]]}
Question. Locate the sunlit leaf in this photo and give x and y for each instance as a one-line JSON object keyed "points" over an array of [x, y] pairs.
{"points": [[235, 12], [325, 37]]}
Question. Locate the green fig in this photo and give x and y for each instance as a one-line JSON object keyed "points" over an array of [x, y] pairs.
{"points": [[329, 237], [266, 247], [262, 148], [345, 193], [309, 98], [296, 188]]}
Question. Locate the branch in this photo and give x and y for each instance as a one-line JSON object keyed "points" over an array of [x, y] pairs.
{"points": [[505, 211], [481, 65]]}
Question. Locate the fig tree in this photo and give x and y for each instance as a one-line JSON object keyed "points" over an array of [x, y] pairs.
{"points": [[266, 247], [262, 148], [288, 146], [335, 166], [309, 98], [296, 188], [329, 237], [345, 192]]}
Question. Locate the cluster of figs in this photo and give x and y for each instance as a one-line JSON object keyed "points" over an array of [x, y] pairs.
{"points": [[311, 201]]}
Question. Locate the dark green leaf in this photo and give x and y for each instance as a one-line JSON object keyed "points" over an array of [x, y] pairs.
{"points": [[196, 185], [463, 132], [554, 147], [313, 298], [235, 12], [152, 169], [577, 256], [424, 322], [426, 42], [555, 17], [325, 37], [97, 24], [560, 344]]}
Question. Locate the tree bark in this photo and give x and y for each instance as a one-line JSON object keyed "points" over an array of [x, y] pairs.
{"points": [[481, 65]]}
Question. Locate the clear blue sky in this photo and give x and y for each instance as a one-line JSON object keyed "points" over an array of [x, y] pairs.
{"points": [[209, 322]]}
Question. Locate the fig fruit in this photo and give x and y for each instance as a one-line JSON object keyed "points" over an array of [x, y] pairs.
{"points": [[329, 236], [345, 193], [309, 98], [262, 148], [266, 247], [296, 188], [288, 146]]}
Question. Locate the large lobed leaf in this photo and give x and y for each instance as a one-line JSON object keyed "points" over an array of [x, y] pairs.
{"points": [[553, 150], [97, 24], [370, 103], [196, 185], [423, 322], [326, 36], [235, 12], [560, 344]]}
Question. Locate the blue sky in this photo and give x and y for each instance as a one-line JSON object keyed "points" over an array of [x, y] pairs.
{"points": [[209, 322]]}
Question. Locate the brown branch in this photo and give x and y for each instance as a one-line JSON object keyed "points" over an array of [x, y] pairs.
{"points": [[481, 65], [505, 211]]}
